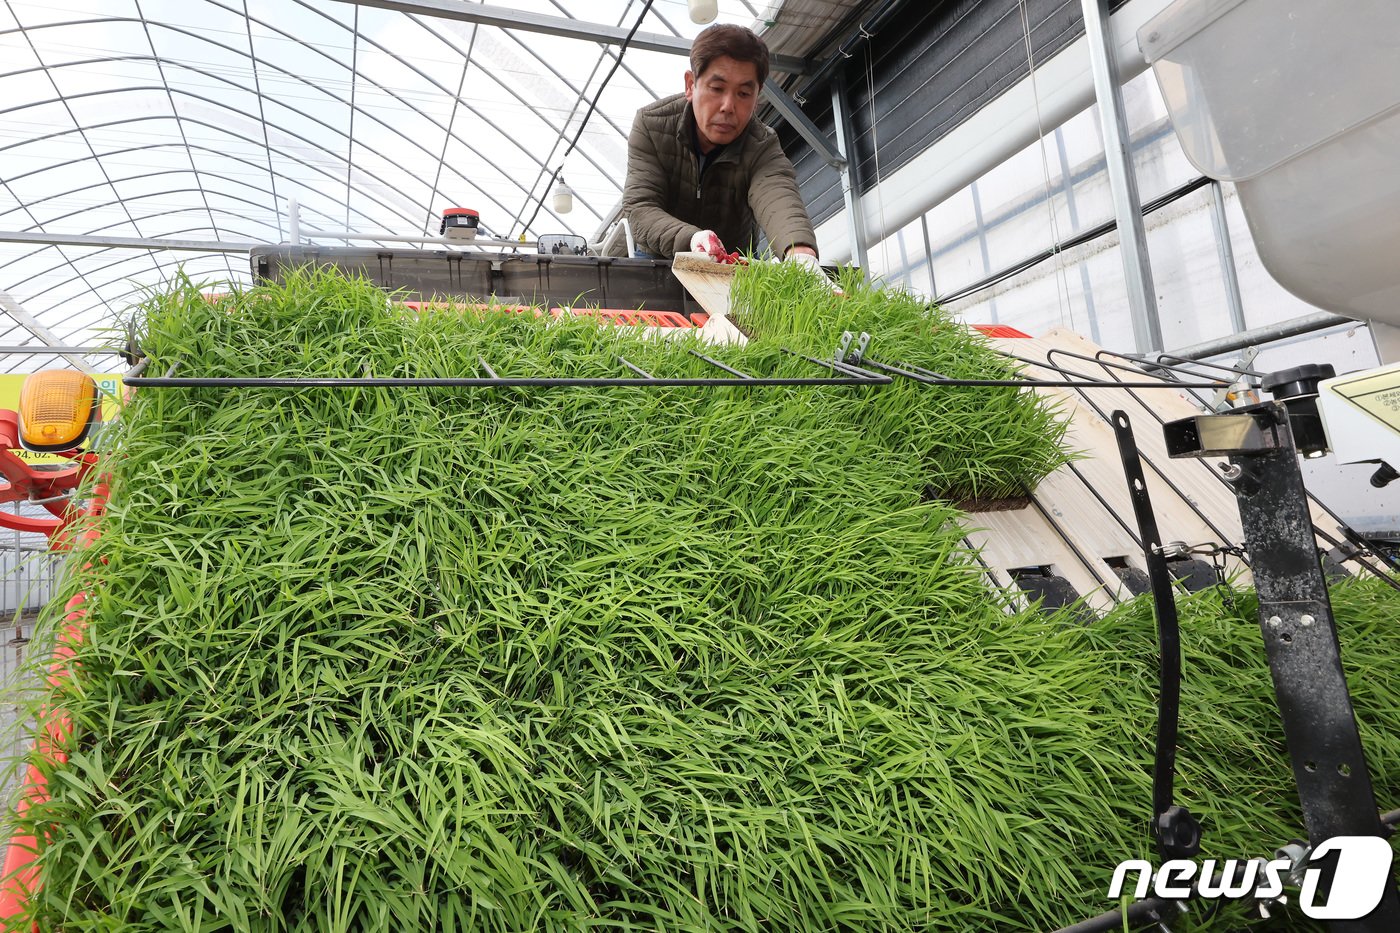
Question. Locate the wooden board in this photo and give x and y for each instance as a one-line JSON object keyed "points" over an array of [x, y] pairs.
{"points": [[708, 283], [1026, 538]]}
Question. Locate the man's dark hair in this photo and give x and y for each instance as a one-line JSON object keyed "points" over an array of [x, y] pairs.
{"points": [[736, 42]]}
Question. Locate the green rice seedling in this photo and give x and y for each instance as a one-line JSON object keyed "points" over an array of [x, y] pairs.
{"points": [[646, 659], [976, 442]]}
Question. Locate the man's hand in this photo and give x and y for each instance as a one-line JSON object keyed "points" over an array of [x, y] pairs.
{"points": [[707, 242], [806, 258]]}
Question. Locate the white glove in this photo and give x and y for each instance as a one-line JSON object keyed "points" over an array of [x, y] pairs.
{"points": [[813, 265], [708, 243]]}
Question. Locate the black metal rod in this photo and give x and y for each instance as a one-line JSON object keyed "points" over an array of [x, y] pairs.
{"points": [[636, 369], [1138, 370], [1168, 633], [1138, 913], [1044, 364], [852, 369], [1253, 374], [1349, 532], [986, 567], [1360, 540], [1017, 383], [1161, 474], [847, 368], [279, 382], [1110, 587], [718, 365], [1116, 380], [1337, 543], [1132, 532], [1144, 364]]}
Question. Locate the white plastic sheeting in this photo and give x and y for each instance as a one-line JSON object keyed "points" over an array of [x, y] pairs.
{"points": [[200, 119]]}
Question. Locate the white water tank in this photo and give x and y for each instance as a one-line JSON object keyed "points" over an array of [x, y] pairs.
{"points": [[1298, 103]]}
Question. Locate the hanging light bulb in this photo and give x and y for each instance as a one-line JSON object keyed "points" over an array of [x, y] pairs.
{"points": [[703, 11], [563, 197]]}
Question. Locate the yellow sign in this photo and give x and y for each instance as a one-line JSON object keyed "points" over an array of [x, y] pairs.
{"points": [[109, 387], [1377, 394]]}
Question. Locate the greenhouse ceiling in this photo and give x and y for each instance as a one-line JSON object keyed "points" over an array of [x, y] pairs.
{"points": [[201, 120]]}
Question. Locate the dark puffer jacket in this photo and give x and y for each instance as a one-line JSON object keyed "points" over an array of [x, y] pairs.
{"points": [[748, 185]]}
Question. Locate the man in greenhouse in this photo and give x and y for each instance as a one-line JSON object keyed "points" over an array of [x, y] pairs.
{"points": [[702, 174]]}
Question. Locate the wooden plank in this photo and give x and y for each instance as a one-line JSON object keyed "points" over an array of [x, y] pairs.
{"points": [[1025, 538], [709, 283]]}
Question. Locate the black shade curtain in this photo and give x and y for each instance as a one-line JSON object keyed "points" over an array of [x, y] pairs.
{"points": [[930, 67]]}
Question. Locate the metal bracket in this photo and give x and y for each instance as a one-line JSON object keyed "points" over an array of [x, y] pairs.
{"points": [[1246, 431], [1221, 401], [847, 353], [799, 121], [1295, 617]]}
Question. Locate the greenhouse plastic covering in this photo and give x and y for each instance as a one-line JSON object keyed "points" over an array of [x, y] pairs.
{"points": [[200, 120]]}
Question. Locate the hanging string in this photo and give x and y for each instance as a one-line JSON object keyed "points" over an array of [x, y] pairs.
{"points": [[1061, 281], [874, 136]]}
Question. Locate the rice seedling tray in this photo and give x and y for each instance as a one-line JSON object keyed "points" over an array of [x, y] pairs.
{"points": [[375, 659]]}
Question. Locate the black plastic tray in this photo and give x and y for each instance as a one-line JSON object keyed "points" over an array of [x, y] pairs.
{"points": [[527, 278]]}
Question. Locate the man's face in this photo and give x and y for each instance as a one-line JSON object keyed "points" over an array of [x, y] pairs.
{"points": [[723, 99]]}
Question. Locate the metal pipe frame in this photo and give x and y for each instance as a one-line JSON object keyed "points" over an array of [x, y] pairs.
{"points": [[1228, 270], [850, 192], [296, 77], [1294, 327], [283, 141], [511, 19], [131, 242], [1127, 207], [844, 376], [836, 156]]}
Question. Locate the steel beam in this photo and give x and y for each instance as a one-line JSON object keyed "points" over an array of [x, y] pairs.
{"points": [[846, 138], [505, 18], [1122, 181], [127, 242], [1226, 250], [34, 349], [1293, 327], [788, 109]]}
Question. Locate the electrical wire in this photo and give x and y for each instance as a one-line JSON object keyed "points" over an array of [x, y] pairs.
{"points": [[1061, 282], [592, 106]]}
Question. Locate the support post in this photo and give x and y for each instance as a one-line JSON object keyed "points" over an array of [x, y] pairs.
{"points": [[1127, 206], [1227, 257], [846, 143], [1300, 637], [294, 221]]}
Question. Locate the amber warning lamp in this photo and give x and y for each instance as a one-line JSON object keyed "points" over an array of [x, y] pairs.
{"points": [[57, 409]]}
